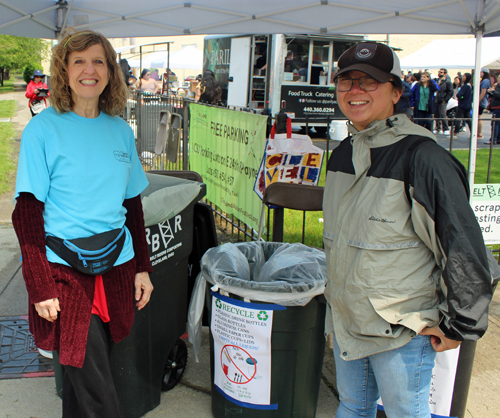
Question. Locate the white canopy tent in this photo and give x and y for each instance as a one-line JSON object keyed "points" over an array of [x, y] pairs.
{"points": [[454, 54], [130, 18], [188, 57]]}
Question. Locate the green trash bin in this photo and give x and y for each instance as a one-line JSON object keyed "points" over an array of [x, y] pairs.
{"points": [[267, 321], [138, 362]]}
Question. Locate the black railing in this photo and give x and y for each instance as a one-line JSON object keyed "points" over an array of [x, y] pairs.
{"points": [[143, 114]]}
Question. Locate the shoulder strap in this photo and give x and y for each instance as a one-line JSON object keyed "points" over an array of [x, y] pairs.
{"points": [[417, 140]]}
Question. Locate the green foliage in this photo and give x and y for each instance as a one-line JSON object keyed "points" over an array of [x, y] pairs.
{"points": [[7, 133], [17, 52], [28, 71], [482, 162], [8, 85], [7, 108]]}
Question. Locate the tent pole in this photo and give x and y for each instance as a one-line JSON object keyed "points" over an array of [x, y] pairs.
{"points": [[475, 110]]}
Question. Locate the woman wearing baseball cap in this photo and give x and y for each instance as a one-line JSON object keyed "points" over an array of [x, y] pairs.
{"points": [[402, 244], [36, 91]]}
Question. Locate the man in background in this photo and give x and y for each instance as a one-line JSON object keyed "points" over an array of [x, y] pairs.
{"points": [[444, 94]]}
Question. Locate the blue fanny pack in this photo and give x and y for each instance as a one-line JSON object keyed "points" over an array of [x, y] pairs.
{"points": [[93, 255]]}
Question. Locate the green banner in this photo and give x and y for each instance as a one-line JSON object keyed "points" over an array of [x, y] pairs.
{"points": [[226, 148]]}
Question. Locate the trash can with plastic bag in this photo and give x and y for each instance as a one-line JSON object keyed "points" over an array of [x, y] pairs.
{"points": [[266, 330]]}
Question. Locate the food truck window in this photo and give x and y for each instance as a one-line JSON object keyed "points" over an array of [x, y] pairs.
{"points": [[319, 65], [338, 49], [296, 60]]}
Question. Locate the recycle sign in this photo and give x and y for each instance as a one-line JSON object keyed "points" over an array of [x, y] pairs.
{"points": [[218, 303], [262, 315]]}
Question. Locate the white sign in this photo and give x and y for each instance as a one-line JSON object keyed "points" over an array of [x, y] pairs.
{"points": [[242, 351], [442, 383], [486, 206]]}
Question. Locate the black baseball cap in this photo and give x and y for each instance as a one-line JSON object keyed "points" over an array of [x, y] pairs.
{"points": [[375, 59]]}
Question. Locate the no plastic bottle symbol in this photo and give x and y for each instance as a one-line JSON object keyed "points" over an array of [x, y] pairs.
{"points": [[238, 365]]}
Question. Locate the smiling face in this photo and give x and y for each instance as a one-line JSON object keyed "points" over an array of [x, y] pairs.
{"points": [[88, 75], [364, 107], [37, 79]]}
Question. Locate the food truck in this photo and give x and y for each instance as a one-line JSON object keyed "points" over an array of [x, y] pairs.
{"points": [[273, 72]]}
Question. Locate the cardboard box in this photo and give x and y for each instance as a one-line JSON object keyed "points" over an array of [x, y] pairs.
{"points": [[193, 85]]}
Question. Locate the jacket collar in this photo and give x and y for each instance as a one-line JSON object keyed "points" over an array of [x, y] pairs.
{"points": [[388, 131]]}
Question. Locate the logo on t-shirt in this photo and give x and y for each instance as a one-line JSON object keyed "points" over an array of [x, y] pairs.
{"points": [[123, 157]]}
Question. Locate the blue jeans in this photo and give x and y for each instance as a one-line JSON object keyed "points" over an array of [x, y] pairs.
{"points": [[422, 114], [402, 377]]}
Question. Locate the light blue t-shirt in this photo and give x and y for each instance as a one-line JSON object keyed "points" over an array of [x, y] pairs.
{"points": [[82, 169], [485, 84]]}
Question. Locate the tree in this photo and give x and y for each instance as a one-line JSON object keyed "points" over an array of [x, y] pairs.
{"points": [[17, 52]]}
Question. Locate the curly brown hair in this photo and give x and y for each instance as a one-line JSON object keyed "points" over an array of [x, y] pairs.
{"points": [[114, 96]]}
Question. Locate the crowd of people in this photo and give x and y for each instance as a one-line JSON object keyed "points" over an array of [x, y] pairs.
{"points": [[433, 100]]}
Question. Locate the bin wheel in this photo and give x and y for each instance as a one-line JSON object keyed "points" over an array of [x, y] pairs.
{"points": [[175, 366]]}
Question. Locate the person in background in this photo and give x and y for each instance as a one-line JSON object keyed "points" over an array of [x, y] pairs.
{"points": [[483, 98], [146, 83], [37, 103], [464, 108], [444, 94], [209, 89], [132, 80], [422, 100], [408, 274], [79, 176], [155, 75], [404, 102], [415, 78], [495, 110], [457, 83]]}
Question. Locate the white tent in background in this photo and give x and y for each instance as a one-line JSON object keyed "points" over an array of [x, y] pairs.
{"points": [[188, 57], [454, 53]]}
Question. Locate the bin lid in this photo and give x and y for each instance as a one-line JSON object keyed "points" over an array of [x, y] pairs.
{"points": [[167, 196]]}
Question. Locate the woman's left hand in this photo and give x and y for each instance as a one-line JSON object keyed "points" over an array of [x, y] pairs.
{"points": [[438, 340], [143, 289]]}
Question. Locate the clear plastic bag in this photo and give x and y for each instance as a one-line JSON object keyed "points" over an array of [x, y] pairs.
{"points": [[285, 274]]}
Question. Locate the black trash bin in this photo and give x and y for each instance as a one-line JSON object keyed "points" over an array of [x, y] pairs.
{"points": [[289, 293], [138, 362]]}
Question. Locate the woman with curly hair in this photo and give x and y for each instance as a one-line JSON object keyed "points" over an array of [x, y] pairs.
{"points": [[209, 90], [78, 189]]}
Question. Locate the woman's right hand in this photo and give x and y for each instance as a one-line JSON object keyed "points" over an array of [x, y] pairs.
{"points": [[36, 91], [48, 309]]}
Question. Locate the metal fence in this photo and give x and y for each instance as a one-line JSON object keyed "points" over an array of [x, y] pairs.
{"points": [[143, 115], [461, 124]]}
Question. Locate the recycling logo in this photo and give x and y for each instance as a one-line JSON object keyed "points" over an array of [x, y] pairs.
{"points": [[218, 303], [262, 315]]}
